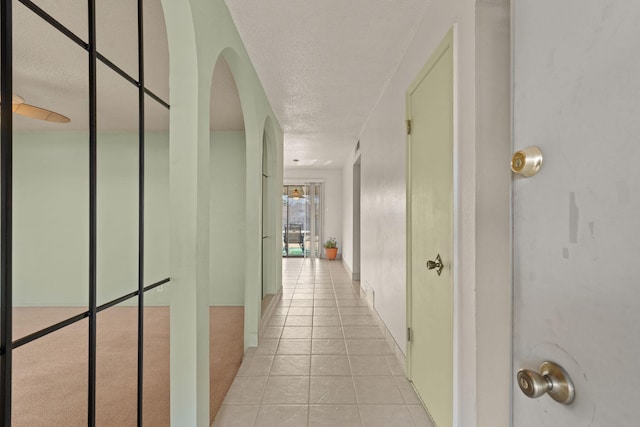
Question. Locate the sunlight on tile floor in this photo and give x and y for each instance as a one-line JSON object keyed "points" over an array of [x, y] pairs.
{"points": [[322, 361]]}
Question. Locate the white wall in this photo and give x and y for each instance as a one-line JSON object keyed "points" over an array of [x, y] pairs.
{"points": [[481, 28], [51, 217], [383, 151], [333, 188], [227, 212]]}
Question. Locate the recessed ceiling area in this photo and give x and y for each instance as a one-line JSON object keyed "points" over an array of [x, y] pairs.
{"points": [[324, 65]]}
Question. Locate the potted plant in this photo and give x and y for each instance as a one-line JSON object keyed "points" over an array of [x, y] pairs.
{"points": [[331, 248]]}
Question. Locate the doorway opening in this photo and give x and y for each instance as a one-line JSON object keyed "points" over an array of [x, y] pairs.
{"points": [[302, 220], [227, 211]]}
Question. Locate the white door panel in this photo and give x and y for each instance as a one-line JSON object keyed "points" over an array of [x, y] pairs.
{"points": [[577, 223]]}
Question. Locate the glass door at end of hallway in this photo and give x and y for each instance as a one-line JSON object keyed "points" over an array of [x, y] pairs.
{"points": [[301, 220]]}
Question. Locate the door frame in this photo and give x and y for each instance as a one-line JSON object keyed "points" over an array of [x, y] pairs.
{"points": [[491, 305], [306, 182], [447, 43], [356, 184], [268, 222]]}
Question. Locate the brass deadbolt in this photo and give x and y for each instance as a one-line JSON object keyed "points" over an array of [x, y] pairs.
{"points": [[527, 162]]}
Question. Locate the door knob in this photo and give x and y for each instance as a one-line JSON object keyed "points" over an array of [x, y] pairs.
{"points": [[552, 379], [437, 264]]}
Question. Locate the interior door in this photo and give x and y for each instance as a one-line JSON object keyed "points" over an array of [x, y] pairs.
{"points": [[266, 238], [430, 234], [577, 222]]}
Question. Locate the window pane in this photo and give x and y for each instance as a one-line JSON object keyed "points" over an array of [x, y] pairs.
{"points": [[49, 382], [50, 175], [118, 172], [156, 358], [156, 213], [156, 50], [117, 365], [117, 33], [70, 13]]}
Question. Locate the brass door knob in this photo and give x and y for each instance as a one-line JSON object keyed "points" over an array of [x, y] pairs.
{"points": [[552, 380]]}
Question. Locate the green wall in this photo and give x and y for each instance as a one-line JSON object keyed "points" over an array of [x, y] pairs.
{"points": [[51, 217], [227, 211], [199, 31]]}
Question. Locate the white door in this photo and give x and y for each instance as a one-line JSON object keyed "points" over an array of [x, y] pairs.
{"points": [[430, 234], [577, 223]]}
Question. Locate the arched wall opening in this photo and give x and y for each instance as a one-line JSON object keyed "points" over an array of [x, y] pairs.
{"points": [[227, 232], [258, 119], [227, 190], [191, 169]]}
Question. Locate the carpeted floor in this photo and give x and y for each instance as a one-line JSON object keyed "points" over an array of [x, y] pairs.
{"points": [[50, 374], [226, 349]]}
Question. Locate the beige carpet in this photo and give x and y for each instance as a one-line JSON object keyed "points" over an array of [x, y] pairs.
{"points": [[50, 374], [226, 325]]}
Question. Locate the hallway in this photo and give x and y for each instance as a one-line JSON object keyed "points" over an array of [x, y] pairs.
{"points": [[322, 361]]}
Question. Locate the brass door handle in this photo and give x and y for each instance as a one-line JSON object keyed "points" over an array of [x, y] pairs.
{"points": [[437, 265], [552, 380]]}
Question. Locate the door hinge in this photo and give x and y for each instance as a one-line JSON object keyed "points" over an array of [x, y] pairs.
{"points": [[409, 127], [409, 334]]}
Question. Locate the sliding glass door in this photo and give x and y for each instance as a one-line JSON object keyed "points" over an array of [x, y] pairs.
{"points": [[302, 220]]}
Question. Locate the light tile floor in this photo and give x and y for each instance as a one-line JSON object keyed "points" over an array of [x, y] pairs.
{"points": [[321, 362]]}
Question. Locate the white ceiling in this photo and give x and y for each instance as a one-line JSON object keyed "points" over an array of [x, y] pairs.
{"points": [[324, 65]]}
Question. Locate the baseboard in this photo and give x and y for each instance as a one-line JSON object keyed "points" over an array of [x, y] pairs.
{"points": [[266, 316], [346, 267], [397, 351], [354, 276]]}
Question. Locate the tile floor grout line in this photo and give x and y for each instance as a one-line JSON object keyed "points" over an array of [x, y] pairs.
{"points": [[353, 381], [313, 309], [352, 307]]}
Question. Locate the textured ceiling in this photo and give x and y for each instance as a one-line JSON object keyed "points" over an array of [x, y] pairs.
{"points": [[324, 65], [50, 70]]}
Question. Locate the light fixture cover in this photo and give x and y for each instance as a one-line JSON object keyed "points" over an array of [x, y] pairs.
{"points": [[295, 191]]}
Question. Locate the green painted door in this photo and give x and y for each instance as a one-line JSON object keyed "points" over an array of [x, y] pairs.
{"points": [[430, 233]]}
